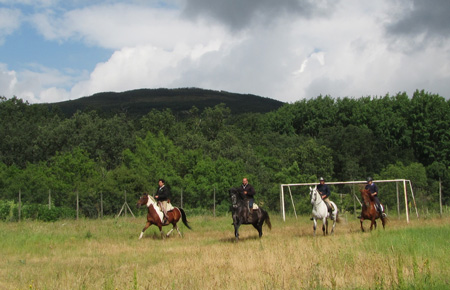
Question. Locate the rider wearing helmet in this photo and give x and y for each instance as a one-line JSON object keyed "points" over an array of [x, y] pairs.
{"points": [[325, 192], [373, 188]]}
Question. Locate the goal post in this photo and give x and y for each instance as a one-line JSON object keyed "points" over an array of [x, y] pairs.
{"points": [[402, 181]]}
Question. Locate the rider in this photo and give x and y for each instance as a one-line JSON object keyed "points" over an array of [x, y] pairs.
{"points": [[161, 196], [248, 190], [325, 192], [373, 188]]}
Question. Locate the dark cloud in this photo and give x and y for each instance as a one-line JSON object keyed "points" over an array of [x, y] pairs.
{"points": [[428, 17], [237, 14]]}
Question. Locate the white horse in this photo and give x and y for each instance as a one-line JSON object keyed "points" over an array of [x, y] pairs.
{"points": [[320, 211]]}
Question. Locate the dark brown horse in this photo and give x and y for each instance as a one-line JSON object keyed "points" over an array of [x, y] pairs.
{"points": [[241, 214], [369, 210], [155, 216]]}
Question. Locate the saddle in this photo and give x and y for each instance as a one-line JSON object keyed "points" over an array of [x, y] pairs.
{"points": [[169, 207]]}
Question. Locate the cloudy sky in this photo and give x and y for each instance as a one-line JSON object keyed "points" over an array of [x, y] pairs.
{"points": [[55, 50]]}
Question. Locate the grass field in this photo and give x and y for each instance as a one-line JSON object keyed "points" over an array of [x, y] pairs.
{"points": [[106, 254]]}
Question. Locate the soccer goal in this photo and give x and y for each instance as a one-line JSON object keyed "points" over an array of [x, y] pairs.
{"points": [[404, 182]]}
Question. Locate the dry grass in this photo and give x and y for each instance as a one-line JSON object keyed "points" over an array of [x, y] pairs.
{"points": [[106, 254]]}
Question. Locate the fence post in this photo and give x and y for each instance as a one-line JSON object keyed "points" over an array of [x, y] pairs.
{"points": [[20, 203], [181, 198], [101, 204], [78, 204], [49, 198], [214, 198], [440, 197]]}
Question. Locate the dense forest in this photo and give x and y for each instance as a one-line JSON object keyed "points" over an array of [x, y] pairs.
{"points": [[206, 151]]}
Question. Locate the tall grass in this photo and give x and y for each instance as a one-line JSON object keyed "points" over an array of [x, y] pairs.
{"points": [[106, 254]]}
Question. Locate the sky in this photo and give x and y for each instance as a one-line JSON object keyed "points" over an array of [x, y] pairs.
{"points": [[288, 50]]}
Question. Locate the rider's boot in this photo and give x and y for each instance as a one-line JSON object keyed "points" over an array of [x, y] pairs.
{"points": [[330, 211]]}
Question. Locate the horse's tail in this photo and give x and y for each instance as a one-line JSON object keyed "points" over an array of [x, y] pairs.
{"points": [[183, 217], [267, 220]]}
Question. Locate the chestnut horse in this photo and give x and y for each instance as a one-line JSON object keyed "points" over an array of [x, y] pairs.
{"points": [[155, 216], [369, 210]]}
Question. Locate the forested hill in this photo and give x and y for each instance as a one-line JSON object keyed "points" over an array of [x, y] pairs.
{"points": [[139, 102], [206, 152]]}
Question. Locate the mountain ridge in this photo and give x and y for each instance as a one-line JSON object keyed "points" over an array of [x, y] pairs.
{"points": [[141, 101]]}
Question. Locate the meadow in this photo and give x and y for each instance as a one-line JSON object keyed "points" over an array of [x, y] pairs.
{"points": [[106, 254]]}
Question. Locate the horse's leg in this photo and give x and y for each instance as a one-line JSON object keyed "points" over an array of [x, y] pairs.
{"points": [[324, 221], [168, 234], [161, 231], [237, 223], [362, 228], [258, 227], [383, 222], [334, 225], [143, 230], [314, 225], [326, 225], [375, 224], [372, 221], [179, 232]]}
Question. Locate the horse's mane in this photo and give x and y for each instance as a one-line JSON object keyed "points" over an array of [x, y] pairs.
{"points": [[236, 192], [152, 198], [365, 193]]}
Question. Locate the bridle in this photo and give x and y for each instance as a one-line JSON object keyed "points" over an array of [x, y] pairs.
{"points": [[234, 202], [315, 192]]}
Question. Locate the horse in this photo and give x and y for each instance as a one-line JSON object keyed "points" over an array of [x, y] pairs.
{"points": [[155, 216], [320, 211], [240, 214], [369, 210]]}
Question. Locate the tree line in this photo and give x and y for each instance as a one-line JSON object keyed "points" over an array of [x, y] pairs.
{"points": [[203, 153]]}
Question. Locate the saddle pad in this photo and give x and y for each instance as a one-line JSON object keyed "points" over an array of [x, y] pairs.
{"points": [[255, 206], [170, 207]]}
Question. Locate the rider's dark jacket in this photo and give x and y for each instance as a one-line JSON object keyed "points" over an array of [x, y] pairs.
{"points": [[163, 193], [372, 187], [250, 190], [324, 189]]}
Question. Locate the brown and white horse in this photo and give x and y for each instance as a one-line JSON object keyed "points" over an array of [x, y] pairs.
{"points": [[369, 210], [155, 216]]}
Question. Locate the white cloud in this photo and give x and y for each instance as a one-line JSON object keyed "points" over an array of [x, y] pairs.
{"points": [[9, 22], [122, 25]]}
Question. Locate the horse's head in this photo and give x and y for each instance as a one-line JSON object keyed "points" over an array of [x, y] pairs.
{"points": [[313, 193], [366, 196], [234, 196], [143, 200]]}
